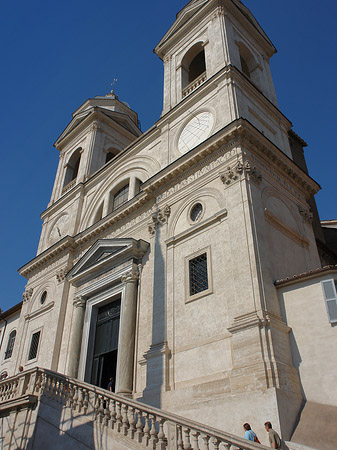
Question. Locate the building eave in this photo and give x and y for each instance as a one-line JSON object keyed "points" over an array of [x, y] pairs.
{"points": [[326, 270]]}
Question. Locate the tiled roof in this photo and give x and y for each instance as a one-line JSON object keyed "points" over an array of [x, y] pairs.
{"points": [[308, 274]]}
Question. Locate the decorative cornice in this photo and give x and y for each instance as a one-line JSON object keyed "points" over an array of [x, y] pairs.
{"points": [[261, 319], [27, 295]]}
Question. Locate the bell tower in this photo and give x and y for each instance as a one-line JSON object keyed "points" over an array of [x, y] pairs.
{"points": [[219, 47], [100, 129]]}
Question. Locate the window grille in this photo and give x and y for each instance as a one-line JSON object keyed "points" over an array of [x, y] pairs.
{"points": [[10, 345], [121, 197], [34, 345], [198, 274]]}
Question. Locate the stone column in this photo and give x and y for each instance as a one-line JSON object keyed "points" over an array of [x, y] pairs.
{"points": [[126, 349], [76, 336]]}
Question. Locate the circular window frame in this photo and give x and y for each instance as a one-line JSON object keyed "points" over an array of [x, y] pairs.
{"points": [[189, 211], [43, 297]]}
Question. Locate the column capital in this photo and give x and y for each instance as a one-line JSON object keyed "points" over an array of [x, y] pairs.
{"points": [[130, 277], [79, 302]]}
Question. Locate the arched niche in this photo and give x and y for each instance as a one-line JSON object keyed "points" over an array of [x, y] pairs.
{"points": [[193, 64], [72, 167]]}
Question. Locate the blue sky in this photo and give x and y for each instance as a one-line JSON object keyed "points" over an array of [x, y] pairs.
{"points": [[55, 55]]}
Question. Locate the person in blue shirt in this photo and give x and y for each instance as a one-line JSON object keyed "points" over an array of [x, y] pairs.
{"points": [[249, 433]]}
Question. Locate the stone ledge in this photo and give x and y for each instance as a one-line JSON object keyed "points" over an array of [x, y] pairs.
{"points": [[26, 401]]}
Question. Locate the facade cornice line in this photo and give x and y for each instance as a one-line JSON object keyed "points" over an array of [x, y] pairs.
{"points": [[237, 132]]}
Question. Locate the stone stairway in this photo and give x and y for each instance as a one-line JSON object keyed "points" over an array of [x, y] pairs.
{"points": [[40, 409]]}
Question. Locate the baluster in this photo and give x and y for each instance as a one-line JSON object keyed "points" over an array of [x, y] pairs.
{"points": [[125, 426], [147, 430], [180, 441], [49, 386], [96, 405], [161, 435], [187, 444], [216, 443], [56, 389], [85, 401], [153, 431], [100, 409], [107, 415], [132, 422], [195, 440], [75, 397], [206, 439], [80, 399], [118, 417], [113, 413], [139, 426]]}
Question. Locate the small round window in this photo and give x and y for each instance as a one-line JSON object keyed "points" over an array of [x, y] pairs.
{"points": [[43, 297], [196, 212]]}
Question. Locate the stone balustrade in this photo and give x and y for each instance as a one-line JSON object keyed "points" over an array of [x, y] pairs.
{"points": [[194, 84], [69, 186], [146, 426]]}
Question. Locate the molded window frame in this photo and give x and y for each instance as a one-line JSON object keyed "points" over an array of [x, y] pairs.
{"points": [[188, 296], [37, 330], [10, 344]]}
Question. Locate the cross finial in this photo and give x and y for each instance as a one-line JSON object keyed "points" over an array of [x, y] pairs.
{"points": [[114, 81]]}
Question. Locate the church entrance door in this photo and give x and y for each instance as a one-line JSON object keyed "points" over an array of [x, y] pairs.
{"points": [[106, 345]]}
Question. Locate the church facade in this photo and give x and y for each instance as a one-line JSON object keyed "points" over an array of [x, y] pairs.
{"points": [[169, 260]]}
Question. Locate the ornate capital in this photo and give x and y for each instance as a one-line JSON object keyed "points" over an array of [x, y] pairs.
{"points": [[79, 302], [233, 173], [158, 218], [27, 295], [61, 274], [306, 214], [130, 277]]}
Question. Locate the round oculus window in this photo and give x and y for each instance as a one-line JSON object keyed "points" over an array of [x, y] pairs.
{"points": [[196, 212], [43, 297]]}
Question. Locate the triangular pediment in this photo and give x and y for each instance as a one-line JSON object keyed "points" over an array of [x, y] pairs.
{"points": [[182, 17], [192, 8], [105, 255]]}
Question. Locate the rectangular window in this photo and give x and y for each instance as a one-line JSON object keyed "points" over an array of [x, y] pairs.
{"points": [[330, 296], [198, 274], [34, 345]]}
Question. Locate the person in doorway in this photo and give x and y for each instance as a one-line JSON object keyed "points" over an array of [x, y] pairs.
{"points": [[274, 438], [110, 384], [249, 433]]}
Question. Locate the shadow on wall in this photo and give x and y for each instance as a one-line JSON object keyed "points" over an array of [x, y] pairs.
{"points": [[57, 428], [155, 357]]}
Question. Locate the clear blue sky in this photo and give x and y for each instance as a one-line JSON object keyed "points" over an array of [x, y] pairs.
{"points": [[55, 55]]}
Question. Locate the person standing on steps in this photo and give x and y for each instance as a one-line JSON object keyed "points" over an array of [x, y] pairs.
{"points": [[110, 384], [274, 438], [249, 433]]}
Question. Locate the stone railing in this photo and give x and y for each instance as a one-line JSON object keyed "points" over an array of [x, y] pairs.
{"points": [[194, 84], [146, 426], [69, 186]]}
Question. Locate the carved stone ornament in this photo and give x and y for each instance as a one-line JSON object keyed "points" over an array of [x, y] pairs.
{"points": [[233, 173], [306, 214], [27, 295], [79, 302], [130, 277], [95, 126], [61, 274], [158, 218]]}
